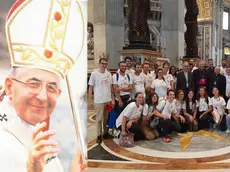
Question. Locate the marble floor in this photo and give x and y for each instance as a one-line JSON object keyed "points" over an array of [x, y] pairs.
{"points": [[205, 151]]}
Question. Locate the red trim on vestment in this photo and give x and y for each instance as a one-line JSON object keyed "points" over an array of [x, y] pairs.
{"points": [[14, 7]]}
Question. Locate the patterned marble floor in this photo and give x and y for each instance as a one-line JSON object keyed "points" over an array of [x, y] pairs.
{"points": [[207, 151]]}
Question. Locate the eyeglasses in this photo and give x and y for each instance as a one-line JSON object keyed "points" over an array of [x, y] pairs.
{"points": [[104, 64], [36, 86]]}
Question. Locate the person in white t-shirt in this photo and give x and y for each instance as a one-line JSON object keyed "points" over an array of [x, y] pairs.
{"points": [[128, 60], [168, 77], [168, 124], [190, 111], [159, 85], [122, 87], [173, 72], [150, 113], [223, 67], [138, 81], [148, 78], [180, 101], [228, 117], [204, 109], [218, 104], [129, 117], [101, 83], [227, 76]]}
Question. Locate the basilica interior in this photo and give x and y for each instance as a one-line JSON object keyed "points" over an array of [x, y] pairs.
{"points": [[108, 30], [168, 21]]}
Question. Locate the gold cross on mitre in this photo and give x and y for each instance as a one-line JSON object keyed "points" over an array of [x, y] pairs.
{"points": [[45, 34]]}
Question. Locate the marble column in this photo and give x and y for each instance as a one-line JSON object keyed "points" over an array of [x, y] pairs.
{"points": [[114, 31], [218, 26], [173, 29], [108, 19]]}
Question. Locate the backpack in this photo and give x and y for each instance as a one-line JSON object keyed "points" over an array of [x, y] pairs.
{"points": [[117, 77]]}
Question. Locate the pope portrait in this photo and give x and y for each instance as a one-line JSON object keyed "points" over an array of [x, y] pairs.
{"points": [[44, 38]]}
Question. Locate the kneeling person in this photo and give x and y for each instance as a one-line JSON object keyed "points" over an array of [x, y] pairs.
{"points": [[129, 117], [150, 117], [167, 108]]}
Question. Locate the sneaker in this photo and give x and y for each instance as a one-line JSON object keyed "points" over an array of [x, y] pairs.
{"points": [[227, 131], [117, 133], [166, 139], [214, 126], [99, 139], [107, 136]]}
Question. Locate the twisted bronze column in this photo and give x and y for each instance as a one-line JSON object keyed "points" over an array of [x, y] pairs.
{"points": [[191, 32], [139, 35]]}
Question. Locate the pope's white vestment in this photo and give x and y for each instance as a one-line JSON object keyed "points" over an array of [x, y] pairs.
{"points": [[15, 141]]}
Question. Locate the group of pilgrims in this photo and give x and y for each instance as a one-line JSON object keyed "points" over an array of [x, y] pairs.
{"points": [[155, 103]]}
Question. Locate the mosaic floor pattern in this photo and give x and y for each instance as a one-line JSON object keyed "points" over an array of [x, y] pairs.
{"points": [[203, 150]]}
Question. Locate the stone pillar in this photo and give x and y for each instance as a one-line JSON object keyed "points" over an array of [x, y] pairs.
{"points": [[108, 20], [221, 48], [173, 29], [214, 32], [114, 30], [217, 48]]}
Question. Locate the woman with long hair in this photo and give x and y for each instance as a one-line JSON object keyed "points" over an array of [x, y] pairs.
{"points": [[159, 85], [179, 107], [149, 114], [129, 118], [204, 109], [173, 72], [190, 111], [218, 111], [180, 101]]}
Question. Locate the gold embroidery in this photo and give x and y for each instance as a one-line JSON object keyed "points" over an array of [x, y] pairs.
{"points": [[52, 56]]}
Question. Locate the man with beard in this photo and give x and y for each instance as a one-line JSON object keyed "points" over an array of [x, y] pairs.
{"points": [[138, 81], [148, 77], [223, 66], [211, 77], [128, 60], [122, 87], [200, 76], [193, 65]]}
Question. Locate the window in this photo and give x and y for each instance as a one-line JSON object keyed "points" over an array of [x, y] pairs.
{"points": [[225, 20]]}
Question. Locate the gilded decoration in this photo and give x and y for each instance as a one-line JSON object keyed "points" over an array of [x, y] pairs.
{"points": [[205, 10], [50, 53]]}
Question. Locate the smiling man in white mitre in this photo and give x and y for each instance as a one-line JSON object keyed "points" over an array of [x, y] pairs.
{"points": [[39, 34]]}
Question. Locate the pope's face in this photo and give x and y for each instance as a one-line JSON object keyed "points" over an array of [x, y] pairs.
{"points": [[32, 103]]}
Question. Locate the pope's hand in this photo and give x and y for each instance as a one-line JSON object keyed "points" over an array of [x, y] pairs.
{"points": [[77, 164], [39, 148]]}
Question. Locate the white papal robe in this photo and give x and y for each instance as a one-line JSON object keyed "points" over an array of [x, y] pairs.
{"points": [[15, 141]]}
